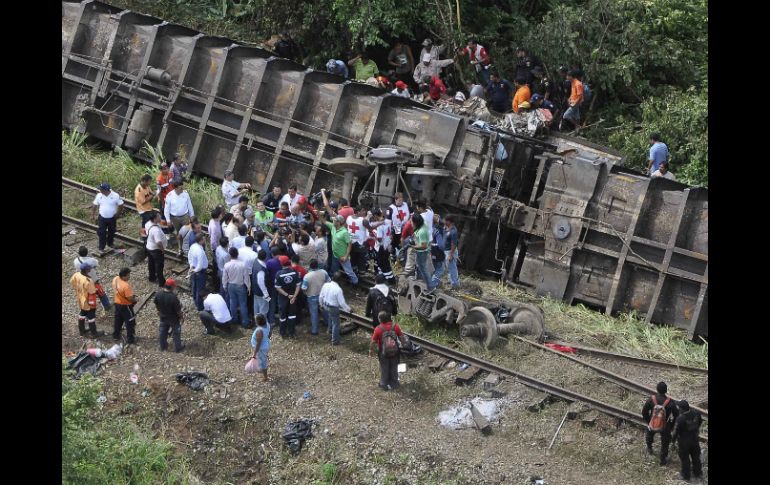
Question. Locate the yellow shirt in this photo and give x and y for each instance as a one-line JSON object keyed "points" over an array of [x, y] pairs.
{"points": [[143, 198], [123, 291], [83, 286]]}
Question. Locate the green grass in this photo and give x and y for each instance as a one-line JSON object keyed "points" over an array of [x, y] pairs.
{"points": [[100, 447], [92, 167]]}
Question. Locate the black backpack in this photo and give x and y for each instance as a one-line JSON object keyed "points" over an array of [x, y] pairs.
{"points": [[389, 342], [385, 303]]}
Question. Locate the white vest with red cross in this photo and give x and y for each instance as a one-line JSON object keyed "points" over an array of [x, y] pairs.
{"points": [[399, 216], [358, 233]]}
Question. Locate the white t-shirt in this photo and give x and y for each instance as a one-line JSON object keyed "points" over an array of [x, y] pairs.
{"points": [[238, 242], [156, 238], [399, 216], [230, 191], [403, 94], [667, 175], [292, 201], [92, 262], [358, 233], [427, 217], [247, 255], [108, 204], [384, 235], [215, 304]]}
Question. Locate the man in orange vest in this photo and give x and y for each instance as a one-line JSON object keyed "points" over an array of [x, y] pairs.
{"points": [[125, 299], [85, 293], [164, 185]]}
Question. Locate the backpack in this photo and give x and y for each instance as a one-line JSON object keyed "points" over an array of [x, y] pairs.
{"points": [[658, 419], [586, 93], [385, 303], [389, 342]]}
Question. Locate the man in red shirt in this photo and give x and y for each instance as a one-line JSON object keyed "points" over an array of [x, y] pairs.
{"points": [[382, 340], [436, 87], [479, 58], [410, 261]]}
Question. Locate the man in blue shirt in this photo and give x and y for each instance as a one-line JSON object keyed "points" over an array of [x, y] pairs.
{"points": [[450, 239], [658, 153], [499, 91], [335, 66]]}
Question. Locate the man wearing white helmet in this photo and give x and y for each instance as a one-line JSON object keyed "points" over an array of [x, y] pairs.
{"points": [[435, 51], [429, 67]]}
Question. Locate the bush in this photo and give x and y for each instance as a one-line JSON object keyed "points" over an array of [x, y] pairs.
{"points": [[100, 449]]}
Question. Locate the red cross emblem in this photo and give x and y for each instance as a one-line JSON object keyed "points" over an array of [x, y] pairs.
{"points": [[401, 215], [387, 232], [353, 227]]}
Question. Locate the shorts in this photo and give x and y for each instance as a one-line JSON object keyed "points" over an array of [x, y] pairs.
{"points": [[572, 113]]}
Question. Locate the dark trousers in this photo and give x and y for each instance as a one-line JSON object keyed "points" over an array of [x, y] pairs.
{"points": [[389, 371], [358, 258], [383, 264], [146, 216], [124, 314], [208, 321], [106, 232], [665, 440], [176, 332], [690, 450], [87, 317], [288, 316], [198, 284], [395, 243], [155, 261]]}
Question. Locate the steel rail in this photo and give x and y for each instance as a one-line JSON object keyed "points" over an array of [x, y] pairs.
{"points": [[528, 381]]}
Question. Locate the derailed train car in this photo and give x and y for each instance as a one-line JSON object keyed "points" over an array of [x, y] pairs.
{"points": [[556, 215]]}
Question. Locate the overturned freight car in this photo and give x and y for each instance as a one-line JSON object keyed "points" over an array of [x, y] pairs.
{"points": [[556, 215]]}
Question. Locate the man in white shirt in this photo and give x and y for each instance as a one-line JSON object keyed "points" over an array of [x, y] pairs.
{"points": [[199, 263], [332, 300], [292, 197], [156, 244], [215, 312], [427, 216], [398, 213], [401, 90], [110, 206], [179, 208], [247, 254], [232, 190], [237, 282], [240, 240], [663, 172], [222, 256]]}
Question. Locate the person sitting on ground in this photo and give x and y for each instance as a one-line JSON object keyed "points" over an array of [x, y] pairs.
{"points": [[171, 316], [364, 67], [663, 171], [384, 339], [215, 313], [232, 190], [522, 96], [260, 342]]}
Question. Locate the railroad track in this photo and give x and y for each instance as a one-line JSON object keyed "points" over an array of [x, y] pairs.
{"points": [[528, 381]]}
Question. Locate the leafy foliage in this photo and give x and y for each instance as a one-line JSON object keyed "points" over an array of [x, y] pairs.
{"points": [[109, 450]]}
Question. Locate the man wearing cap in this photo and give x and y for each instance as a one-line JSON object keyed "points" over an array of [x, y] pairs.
{"points": [[287, 286], [179, 208], [164, 184], [338, 67], [109, 205], [85, 293], [435, 51], [198, 262], [364, 67], [479, 59], [401, 90], [341, 247], [686, 429], [170, 314], [500, 91], [429, 67], [436, 87], [400, 58], [143, 197], [156, 245], [178, 167], [125, 299], [233, 191], [523, 94]]}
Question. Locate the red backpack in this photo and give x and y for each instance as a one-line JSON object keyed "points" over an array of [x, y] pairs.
{"points": [[658, 419], [389, 341]]}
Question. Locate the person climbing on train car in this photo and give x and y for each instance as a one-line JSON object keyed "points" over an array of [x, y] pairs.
{"points": [[338, 67], [364, 67], [659, 412]]}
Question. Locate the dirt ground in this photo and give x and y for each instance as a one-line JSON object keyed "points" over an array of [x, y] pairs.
{"points": [[231, 431]]}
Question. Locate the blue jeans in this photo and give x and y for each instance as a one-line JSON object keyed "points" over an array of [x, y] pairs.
{"points": [[237, 296], [422, 268], [273, 303], [197, 284], [346, 266], [484, 75], [312, 305], [222, 290], [454, 277], [261, 306], [332, 316], [176, 333]]}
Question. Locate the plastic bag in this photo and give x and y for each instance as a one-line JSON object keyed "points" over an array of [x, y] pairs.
{"points": [[194, 380], [114, 352], [252, 366], [296, 433]]}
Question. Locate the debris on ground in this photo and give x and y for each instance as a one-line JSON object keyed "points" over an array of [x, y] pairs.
{"points": [[561, 348], [194, 380], [461, 416], [85, 363], [296, 433]]}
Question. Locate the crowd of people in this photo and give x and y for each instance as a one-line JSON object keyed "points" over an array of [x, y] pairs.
{"points": [[280, 259]]}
